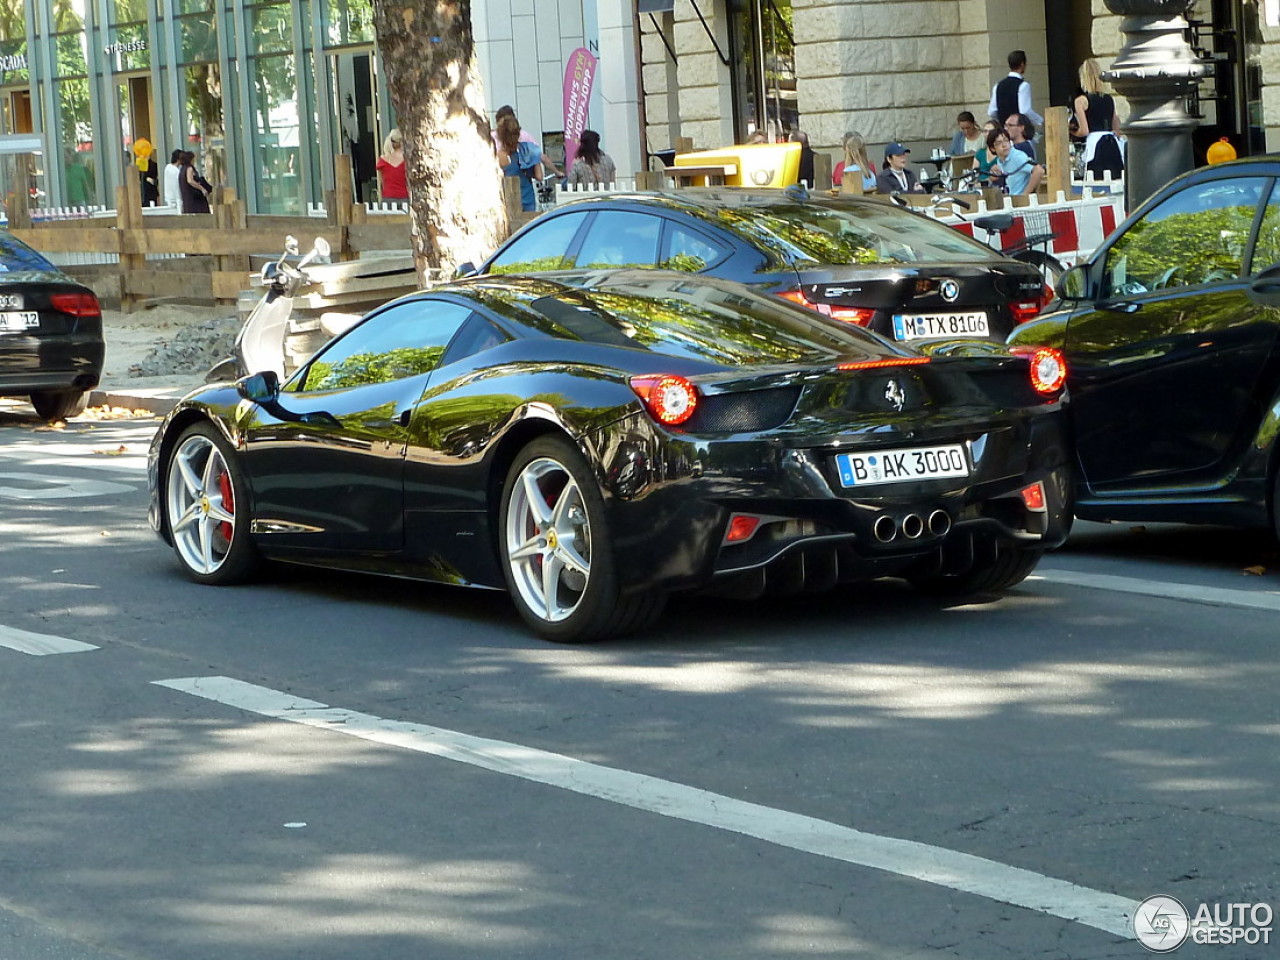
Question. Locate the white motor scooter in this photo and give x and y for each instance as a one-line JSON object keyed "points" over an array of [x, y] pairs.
{"points": [[260, 343]]}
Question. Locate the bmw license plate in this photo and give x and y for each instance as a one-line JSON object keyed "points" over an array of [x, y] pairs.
{"points": [[18, 322], [897, 466], [929, 326]]}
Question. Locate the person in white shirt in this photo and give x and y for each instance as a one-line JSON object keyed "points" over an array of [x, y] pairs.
{"points": [[172, 172], [1013, 93]]}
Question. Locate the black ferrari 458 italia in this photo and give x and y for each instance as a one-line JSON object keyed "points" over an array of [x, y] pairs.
{"points": [[593, 450]]}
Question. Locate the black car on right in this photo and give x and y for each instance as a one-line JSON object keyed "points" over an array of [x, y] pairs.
{"points": [[1170, 332]]}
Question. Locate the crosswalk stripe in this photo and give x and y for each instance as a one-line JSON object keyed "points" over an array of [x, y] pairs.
{"points": [[1216, 596], [937, 865], [40, 644]]}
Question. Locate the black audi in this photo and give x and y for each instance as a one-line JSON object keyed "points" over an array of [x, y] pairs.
{"points": [[51, 345], [859, 260], [592, 451]]}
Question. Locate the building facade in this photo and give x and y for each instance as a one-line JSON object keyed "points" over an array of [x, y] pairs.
{"points": [[266, 92]]}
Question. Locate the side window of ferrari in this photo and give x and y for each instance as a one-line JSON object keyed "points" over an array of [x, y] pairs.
{"points": [[621, 238], [1266, 252], [401, 341], [542, 247], [1194, 237]]}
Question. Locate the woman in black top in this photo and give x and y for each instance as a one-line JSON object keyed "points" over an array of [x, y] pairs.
{"points": [[194, 188], [1096, 123]]}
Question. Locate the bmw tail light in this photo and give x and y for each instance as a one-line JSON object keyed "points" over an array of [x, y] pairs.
{"points": [[1024, 310], [669, 398], [861, 316], [76, 304], [1048, 368]]}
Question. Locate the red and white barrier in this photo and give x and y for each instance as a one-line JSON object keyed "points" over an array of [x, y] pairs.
{"points": [[1080, 224]]}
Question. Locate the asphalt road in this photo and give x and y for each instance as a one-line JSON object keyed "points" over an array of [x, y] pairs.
{"points": [[326, 766]]}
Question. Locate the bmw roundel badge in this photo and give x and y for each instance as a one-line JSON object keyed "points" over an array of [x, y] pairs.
{"points": [[949, 290]]}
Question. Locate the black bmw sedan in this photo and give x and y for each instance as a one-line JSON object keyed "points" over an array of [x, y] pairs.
{"points": [[592, 451], [51, 345], [1171, 333], [859, 260]]}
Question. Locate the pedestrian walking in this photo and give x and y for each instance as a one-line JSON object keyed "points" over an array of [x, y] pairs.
{"points": [[591, 165], [1097, 125], [1013, 93], [392, 182], [195, 189]]}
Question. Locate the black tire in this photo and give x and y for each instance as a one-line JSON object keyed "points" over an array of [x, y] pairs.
{"points": [[209, 536], [586, 603], [1006, 568], [59, 404]]}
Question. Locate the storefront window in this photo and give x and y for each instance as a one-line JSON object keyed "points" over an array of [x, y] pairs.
{"points": [[348, 22], [68, 15], [276, 119], [195, 6], [763, 70], [129, 10], [74, 131], [272, 28], [129, 49], [72, 60], [197, 38], [205, 128], [13, 60]]}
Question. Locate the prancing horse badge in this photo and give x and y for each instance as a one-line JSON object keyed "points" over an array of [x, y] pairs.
{"points": [[894, 393]]}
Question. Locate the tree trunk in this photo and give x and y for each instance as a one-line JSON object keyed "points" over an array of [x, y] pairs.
{"points": [[455, 184]]}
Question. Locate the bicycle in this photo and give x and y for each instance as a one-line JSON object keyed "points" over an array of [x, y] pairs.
{"points": [[1036, 232]]}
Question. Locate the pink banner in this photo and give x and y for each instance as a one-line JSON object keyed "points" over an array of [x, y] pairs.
{"points": [[579, 74]]}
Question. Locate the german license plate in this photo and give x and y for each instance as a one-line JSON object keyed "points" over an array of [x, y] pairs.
{"points": [[897, 466], [10, 301], [931, 326], [17, 322]]}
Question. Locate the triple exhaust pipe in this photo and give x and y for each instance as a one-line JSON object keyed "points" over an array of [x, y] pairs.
{"points": [[912, 526]]}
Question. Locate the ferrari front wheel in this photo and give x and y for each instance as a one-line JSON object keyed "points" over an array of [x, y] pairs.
{"points": [[205, 501], [553, 539]]}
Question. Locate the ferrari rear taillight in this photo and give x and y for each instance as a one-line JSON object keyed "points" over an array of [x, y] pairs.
{"points": [[76, 304], [1033, 497], [1048, 368], [669, 398], [862, 316]]}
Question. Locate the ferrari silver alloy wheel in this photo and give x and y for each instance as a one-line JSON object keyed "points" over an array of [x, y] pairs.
{"points": [[548, 539], [201, 505]]}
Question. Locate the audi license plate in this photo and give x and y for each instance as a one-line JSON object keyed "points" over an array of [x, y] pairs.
{"points": [[930, 326], [11, 322], [897, 466]]}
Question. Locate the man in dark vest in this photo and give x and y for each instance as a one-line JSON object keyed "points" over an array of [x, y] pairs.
{"points": [[1013, 94]]}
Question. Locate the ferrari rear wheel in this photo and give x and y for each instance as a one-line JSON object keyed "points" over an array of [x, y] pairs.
{"points": [[59, 404], [203, 488], [1006, 568], [553, 538]]}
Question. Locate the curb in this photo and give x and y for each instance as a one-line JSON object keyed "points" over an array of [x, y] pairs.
{"points": [[158, 401]]}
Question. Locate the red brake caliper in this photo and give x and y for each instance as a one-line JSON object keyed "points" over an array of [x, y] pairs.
{"points": [[228, 503]]}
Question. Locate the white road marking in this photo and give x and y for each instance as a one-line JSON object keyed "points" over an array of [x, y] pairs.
{"points": [[1215, 596], [53, 487], [40, 644], [938, 865]]}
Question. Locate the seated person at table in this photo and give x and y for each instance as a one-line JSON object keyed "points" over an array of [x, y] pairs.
{"points": [[968, 137], [854, 161], [1020, 175], [897, 177]]}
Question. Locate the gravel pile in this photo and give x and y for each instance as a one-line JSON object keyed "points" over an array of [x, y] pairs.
{"points": [[194, 348]]}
